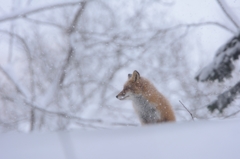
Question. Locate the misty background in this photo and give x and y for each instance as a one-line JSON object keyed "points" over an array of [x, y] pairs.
{"points": [[63, 62]]}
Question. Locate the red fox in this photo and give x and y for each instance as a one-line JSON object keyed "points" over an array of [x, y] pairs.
{"points": [[150, 105]]}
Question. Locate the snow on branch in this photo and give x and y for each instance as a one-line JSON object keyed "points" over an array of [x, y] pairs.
{"points": [[222, 65], [225, 98], [31, 10]]}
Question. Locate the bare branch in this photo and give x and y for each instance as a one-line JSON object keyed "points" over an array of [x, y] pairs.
{"points": [[42, 22], [187, 110], [28, 11], [67, 116], [28, 55], [121, 41], [70, 53], [18, 89], [76, 17], [198, 25], [30, 67], [11, 43], [224, 6], [21, 39], [224, 99], [71, 50], [235, 113]]}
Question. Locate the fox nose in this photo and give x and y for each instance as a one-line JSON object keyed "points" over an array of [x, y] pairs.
{"points": [[117, 96]]}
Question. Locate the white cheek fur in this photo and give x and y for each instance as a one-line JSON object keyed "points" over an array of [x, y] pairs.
{"points": [[120, 97]]}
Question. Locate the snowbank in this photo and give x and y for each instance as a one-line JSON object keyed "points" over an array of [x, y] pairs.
{"points": [[191, 140]]}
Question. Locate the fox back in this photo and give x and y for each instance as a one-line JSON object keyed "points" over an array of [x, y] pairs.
{"points": [[150, 105]]}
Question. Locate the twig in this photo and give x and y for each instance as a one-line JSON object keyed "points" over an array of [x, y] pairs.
{"points": [[68, 116], [222, 4], [225, 99], [187, 109], [28, 11], [232, 114], [43, 22], [199, 25], [18, 89]]}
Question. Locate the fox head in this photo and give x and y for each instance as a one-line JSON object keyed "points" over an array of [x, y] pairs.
{"points": [[132, 87]]}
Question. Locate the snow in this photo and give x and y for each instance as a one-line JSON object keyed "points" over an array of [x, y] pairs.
{"points": [[221, 67], [198, 140], [225, 98]]}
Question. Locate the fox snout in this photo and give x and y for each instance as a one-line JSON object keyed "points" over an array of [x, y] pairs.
{"points": [[121, 96]]}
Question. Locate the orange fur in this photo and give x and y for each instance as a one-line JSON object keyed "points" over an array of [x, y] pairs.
{"points": [[150, 105]]}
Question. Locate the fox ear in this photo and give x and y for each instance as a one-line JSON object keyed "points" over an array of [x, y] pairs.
{"points": [[129, 76], [135, 76]]}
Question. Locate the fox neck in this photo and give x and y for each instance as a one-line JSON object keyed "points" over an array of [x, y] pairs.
{"points": [[146, 110]]}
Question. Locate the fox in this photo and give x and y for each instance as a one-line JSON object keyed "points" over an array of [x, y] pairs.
{"points": [[149, 104]]}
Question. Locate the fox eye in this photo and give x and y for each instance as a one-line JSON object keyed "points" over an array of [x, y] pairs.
{"points": [[127, 88]]}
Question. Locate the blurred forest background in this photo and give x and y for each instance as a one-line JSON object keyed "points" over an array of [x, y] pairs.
{"points": [[63, 62]]}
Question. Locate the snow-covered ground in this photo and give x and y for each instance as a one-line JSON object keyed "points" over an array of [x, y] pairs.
{"points": [[189, 140]]}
